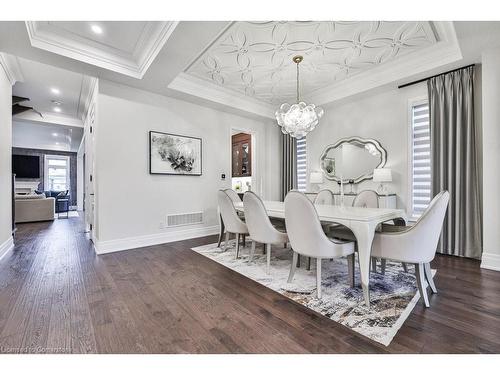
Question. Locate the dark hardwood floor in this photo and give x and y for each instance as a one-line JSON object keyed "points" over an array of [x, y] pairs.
{"points": [[57, 296]]}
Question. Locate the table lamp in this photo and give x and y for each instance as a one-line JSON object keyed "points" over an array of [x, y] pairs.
{"points": [[382, 175], [316, 178]]}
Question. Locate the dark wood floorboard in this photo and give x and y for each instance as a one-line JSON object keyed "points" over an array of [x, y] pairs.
{"points": [[57, 296]]}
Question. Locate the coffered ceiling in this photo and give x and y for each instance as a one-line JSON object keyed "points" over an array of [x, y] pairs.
{"points": [[255, 58], [246, 67], [60, 95], [126, 47]]}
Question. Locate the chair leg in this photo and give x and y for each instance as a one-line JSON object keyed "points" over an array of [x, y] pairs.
{"points": [[227, 241], [308, 263], [405, 267], [383, 264], [252, 251], [293, 266], [237, 245], [374, 264], [350, 266], [428, 277], [221, 231], [268, 253], [318, 278], [298, 259], [244, 240], [422, 287]]}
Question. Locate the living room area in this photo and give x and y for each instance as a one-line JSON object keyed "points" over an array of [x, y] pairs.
{"points": [[48, 148]]}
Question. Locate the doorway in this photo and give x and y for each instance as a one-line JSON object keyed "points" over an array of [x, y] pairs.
{"points": [[243, 166]]}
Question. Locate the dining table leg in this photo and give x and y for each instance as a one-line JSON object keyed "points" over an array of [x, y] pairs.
{"points": [[364, 233]]}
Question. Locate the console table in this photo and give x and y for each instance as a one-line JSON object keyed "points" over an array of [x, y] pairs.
{"points": [[384, 201]]}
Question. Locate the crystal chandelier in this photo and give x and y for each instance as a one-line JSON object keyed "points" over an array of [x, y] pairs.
{"points": [[300, 118]]}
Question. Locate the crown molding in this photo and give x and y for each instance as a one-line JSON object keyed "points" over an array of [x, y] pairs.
{"points": [[89, 85], [198, 87], [445, 51], [50, 38], [48, 118], [12, 68]]}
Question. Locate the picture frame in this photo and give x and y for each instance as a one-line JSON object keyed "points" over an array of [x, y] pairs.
{"points": [[175, 154]]}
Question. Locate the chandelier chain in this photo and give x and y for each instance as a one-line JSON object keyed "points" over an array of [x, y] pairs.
{"points": [[298, 62]]}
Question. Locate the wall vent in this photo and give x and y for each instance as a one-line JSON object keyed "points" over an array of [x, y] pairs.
{"points": [[178, 220]]}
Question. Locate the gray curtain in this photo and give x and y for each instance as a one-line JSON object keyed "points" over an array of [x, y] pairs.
{"points": [[454, 155], [288, 164]]}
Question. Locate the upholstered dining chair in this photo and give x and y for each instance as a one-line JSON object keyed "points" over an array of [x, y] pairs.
{"points": [[233, 195], [416, 244], [307, 237], [260, 227], [232, 222], [369, 199], [324, 196], [236, 199], [366, 198]]}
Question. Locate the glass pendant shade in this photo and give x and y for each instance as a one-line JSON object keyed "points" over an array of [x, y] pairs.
{"points": [[298, 119]]}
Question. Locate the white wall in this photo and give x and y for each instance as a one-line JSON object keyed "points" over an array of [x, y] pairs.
{"points": [[491, 158], [5, 162], [132, 204], [381, 116]]}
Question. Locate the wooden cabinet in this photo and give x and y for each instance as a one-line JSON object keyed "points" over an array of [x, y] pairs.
{"points": [[241, 155]]}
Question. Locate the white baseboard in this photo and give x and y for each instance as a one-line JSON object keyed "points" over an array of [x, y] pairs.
{"points": [[103, 247], [6, 246], [490, 261]]}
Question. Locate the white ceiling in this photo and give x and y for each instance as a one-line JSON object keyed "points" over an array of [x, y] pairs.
{"points": [[54, 137], [38, 81], [125, 47], [255, 58], [171, 72], [119, 35]]}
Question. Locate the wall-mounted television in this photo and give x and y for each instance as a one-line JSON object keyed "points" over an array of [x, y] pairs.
{"points": [[24, 166]]}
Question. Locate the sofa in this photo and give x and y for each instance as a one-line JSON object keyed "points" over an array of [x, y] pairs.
{"points": [[34, 208], [62, 198]]}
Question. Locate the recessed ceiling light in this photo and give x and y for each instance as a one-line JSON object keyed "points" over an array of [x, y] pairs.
{"points": [[57, 143], [57, 109], [96, 29], [54, 134], [55, 90], [56, 102]]}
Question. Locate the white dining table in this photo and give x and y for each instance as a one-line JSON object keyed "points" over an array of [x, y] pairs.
{"points": [[361, 221]]}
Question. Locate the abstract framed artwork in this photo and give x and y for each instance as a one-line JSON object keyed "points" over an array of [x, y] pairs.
{"points": [[174, 154]]}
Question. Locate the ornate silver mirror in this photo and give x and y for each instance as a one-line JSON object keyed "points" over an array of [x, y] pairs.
{"points": [[352, 158]]}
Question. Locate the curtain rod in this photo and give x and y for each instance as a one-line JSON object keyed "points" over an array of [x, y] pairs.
{"points": [[436, 75]]}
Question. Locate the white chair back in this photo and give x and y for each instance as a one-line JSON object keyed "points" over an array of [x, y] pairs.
{"points": [[230, 218], [427, 229], [304, 227], [366, 198], [233, 195], [258, 222], [324, 196]]}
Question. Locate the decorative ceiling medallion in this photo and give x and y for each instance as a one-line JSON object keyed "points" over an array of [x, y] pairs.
{"points": [[48, 36], [254, 58]]}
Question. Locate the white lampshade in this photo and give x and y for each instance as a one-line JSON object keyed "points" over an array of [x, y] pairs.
{"points": [[316, 178], [382, 175]]}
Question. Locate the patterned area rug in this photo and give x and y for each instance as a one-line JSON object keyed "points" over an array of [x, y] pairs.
{"points": [[393, 295]]}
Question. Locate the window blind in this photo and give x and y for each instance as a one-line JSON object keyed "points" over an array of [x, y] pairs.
{"points": [[301, 164], [421, 159]]}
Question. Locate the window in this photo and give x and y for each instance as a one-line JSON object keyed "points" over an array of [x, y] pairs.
{"points": [[420, 158], [56, 172], [301, 164]]}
